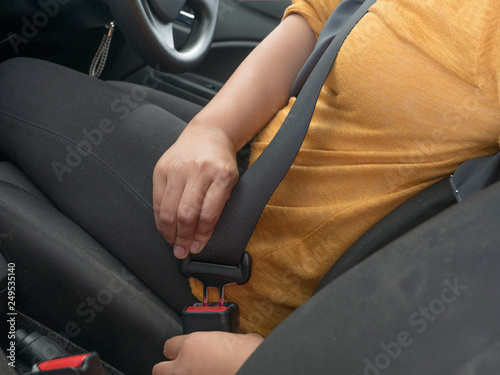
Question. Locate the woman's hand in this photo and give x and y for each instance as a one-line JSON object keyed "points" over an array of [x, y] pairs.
{"points": [[191, 183], [193, 179], [199, 353]]}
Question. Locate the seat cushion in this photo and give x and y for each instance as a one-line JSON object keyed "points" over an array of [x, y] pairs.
{"points": [[12, 175], [67, 281]]}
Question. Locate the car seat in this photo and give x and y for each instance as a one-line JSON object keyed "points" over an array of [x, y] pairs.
{"points": [[69, 282]]}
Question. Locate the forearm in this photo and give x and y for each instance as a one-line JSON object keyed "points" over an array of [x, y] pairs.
{"points": [[261, 85], [193, 179]]}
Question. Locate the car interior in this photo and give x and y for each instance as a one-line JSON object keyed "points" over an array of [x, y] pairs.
{"points": [[374, 313]]}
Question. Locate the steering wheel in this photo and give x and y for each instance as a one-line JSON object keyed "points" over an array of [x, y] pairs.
{"points": [[148, 26]]}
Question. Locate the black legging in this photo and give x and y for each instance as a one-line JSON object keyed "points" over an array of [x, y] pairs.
{"points": [[91, 148]]}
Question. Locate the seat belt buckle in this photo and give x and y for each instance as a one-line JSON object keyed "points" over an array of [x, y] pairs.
{"points": [[83, 364], [215, 316], [211, 317]]}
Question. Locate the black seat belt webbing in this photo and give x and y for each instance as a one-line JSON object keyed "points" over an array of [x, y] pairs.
{"points": [[251, 194], [342, 13]]}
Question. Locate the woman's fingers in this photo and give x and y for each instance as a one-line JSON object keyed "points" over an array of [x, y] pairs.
{"points": [[188, 212], [220, 353], [191, 184], [167, 198], [201, 205], [173, 346], [192, 200], [215, 199], [159, 186]]}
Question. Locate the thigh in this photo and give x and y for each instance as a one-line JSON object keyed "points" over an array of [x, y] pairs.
{"points": [[179, 107], [91, 148]]}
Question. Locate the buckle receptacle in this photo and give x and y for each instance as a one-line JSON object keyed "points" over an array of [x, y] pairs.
{"points": [[83, 364], [219, 316]]}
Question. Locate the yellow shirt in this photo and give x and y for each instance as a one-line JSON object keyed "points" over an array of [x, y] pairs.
{"points": [[414, 93]]}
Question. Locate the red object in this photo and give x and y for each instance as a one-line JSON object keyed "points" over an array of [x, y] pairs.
{"points": [[206, 308], [59, 363]]}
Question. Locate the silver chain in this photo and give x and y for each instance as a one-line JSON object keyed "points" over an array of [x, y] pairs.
{"points": [[101, 55]]}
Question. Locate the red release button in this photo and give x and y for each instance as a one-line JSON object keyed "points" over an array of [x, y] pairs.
{"points": [[65, 362], [206, 308]]}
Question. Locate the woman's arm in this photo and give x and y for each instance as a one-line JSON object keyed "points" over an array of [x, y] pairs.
{"points": [[194, 178], [261, 85]]}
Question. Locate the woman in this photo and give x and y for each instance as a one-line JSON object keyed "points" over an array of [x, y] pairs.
{"points": [[413, 94]]}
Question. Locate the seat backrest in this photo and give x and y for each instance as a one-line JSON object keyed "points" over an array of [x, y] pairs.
{"points": [[425, 304], [407, 216], [470, 177]]}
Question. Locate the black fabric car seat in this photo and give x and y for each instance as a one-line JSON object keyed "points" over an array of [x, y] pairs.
{"points": [[70, 283], [67, 281], [427, 303]]}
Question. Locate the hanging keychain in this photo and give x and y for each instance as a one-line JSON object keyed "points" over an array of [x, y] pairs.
{"points": [[101, 55]]}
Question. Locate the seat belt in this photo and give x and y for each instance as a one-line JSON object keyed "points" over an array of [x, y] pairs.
{"points": [[224, 260], [331, 28]]}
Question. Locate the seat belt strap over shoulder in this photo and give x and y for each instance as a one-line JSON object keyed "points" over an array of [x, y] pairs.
{"points": [[224, 260], [337, 20]]}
